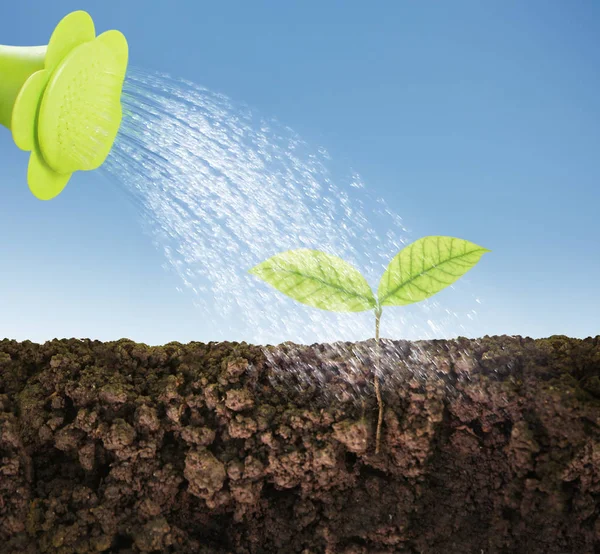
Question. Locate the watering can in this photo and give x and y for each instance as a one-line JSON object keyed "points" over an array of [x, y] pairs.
{"points": [[62, 102]]}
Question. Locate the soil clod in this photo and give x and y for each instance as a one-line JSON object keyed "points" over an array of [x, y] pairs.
{"points": [[490, 445]]}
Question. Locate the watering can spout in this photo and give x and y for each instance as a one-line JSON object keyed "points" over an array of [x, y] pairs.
{"points": [[62, 102], [16, 66]]}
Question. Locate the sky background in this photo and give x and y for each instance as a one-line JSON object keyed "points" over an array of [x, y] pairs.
{"points": [[474, 119]]}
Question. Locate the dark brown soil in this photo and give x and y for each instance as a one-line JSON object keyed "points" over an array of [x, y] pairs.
{"points": [[488, 446]]}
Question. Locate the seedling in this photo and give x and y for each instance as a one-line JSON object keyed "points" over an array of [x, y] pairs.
{"points": [[327, 282]]}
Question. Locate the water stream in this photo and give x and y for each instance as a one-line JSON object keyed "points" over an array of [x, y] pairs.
{"points": [[220, 189]]}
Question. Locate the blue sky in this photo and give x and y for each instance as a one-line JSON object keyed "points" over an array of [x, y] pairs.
{"points": [[475, 119]]}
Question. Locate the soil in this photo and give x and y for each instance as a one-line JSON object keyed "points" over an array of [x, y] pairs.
{"points": [[488, 446]]}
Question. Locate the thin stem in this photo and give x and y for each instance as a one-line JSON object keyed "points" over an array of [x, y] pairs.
{"points": [[376, 379]]}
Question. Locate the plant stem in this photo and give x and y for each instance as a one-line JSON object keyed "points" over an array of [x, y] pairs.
{"points": [[376, 379]]}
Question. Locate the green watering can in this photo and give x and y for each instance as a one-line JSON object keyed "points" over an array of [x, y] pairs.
{"points": [[62, 102]]}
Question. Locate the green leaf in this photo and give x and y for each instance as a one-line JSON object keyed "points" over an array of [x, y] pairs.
{"points": [[426, 267], [318, 280]]}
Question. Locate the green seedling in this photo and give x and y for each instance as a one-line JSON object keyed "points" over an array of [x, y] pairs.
{"points": [[327, 282]]}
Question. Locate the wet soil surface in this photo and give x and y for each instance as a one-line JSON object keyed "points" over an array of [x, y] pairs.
{"points": [[488, 446]]}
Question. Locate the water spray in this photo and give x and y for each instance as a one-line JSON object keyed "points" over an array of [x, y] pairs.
{"points": [[62, 102]]}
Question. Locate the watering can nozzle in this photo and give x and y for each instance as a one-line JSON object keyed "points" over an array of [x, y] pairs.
{"points": [[62, 101]]}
